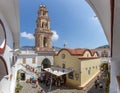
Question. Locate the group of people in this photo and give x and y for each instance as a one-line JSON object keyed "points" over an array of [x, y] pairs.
{"points": [[48, 79], [98, 83], [34, 81]]}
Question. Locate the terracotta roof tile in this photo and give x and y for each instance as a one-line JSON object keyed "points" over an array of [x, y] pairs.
{"points": [[93, 52], [78, 51]]}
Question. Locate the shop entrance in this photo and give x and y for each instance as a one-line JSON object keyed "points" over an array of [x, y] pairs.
{"points": [[22, 76]]}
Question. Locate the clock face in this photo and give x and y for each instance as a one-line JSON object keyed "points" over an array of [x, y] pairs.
{"points": [[2, 38], [63, 56]]}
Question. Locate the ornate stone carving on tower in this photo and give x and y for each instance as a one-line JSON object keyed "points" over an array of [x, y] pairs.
{"points": [[43, 34]]}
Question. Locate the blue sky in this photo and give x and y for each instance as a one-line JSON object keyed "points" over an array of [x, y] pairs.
{"points": [[73, 22]]}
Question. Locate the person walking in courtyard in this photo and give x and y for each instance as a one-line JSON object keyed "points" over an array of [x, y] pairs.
{"points": [[41, 79], [36, 83], [41, 91], [96, 84]]}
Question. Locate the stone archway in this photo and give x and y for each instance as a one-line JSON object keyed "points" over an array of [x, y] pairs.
{"points": [[3, 68], [46, 63]]}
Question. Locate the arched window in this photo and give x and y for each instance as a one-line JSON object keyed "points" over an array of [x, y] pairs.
{"points": [[89, 72], [44, 13], [45, 42], [63, 65], [44, 25]]}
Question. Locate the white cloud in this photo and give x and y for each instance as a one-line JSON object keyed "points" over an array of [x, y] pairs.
{"points": [[27, 35], [55, 36]]}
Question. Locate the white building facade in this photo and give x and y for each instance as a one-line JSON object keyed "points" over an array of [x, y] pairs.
{"points": [[33, 59]]}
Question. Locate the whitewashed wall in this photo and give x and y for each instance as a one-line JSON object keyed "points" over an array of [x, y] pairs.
{"points": [[28, 59], [39, 59], [7, 54], [9, 46]]}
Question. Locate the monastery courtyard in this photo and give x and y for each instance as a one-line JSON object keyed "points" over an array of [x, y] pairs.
{"points": [[44, 70], [29, 88]]}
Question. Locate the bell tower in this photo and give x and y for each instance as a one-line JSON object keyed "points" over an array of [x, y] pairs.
{"points": [[43, 34]]}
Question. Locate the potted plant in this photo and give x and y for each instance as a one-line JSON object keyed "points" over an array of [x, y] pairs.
{"points": [[18, 76], [18, 88], [39, 90]]}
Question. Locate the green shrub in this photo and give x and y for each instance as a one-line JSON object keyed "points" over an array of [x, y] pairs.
{"points": [[18, 76], [18, 87]]}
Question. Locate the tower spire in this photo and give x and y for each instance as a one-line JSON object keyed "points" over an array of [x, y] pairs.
{"points": [[43, 34]]}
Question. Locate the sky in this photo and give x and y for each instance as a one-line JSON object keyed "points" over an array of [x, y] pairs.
{"points": [[73, 23]]}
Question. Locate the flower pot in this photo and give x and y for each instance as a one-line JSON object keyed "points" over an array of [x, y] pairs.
{"points": [[17, 91]]}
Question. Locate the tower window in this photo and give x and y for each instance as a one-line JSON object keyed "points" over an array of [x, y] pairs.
{"points": [[44, 25], [45, 42], [44, 13]]}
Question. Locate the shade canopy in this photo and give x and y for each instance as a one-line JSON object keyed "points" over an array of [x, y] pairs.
{"points": [[58, 71]]}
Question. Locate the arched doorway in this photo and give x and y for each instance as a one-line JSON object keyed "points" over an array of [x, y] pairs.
{"points": [[46, 63], [3, 68], [23, 76]]}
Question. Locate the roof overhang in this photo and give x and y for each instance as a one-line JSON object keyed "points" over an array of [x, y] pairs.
{"points": [[103, 11]]}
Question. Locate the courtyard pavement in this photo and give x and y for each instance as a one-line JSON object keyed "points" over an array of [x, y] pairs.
{"points": [[103, 81], [98, 89], [29, 88]]}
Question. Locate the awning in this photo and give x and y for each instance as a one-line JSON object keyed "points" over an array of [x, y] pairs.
{"points": [[58, 71]]}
